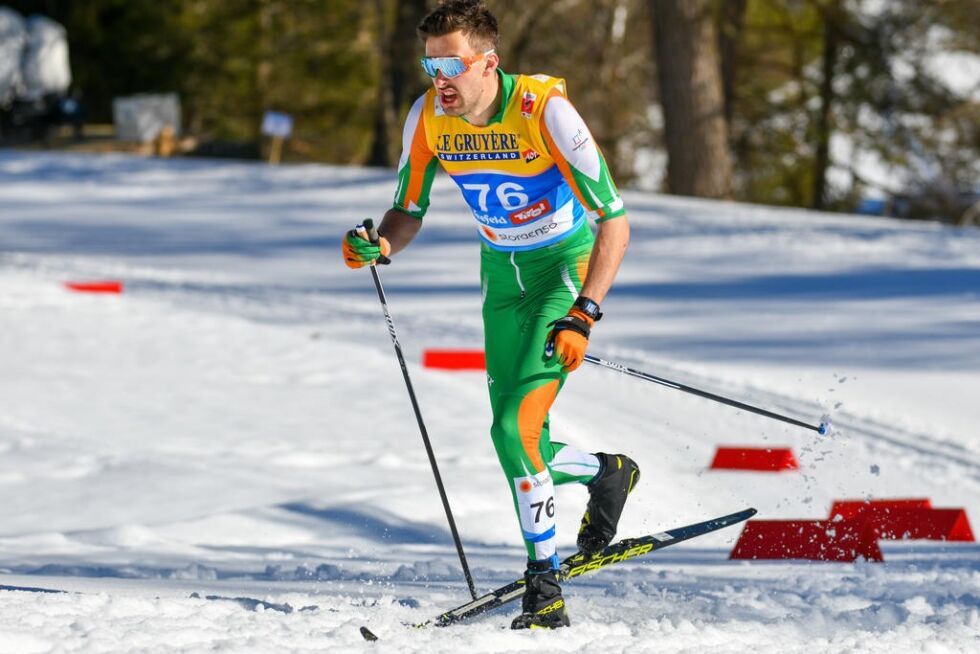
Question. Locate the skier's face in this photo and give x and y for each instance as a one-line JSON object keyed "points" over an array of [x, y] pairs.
{"points": [[468, 91]]}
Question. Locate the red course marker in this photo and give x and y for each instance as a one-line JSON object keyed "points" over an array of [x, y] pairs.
{"points": [[850, 508], [107, 286], [854, 528], [455, 359], [764, 459], [815, 540], [923, 524], [904, 519]]}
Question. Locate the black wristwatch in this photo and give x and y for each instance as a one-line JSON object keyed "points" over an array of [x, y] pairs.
{"points": [[589, 307]]}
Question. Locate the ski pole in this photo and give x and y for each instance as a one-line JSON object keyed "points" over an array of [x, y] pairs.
{"points": [[823, 428], [373, 237]]}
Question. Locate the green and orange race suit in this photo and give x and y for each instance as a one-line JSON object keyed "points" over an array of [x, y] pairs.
{"points": [[531, 177]]}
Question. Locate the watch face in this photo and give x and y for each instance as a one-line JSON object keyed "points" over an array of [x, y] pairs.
{"points": [[589, 307]]}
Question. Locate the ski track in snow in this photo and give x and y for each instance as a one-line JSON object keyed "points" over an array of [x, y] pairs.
{"points": [[308, 306], [235, 426]]}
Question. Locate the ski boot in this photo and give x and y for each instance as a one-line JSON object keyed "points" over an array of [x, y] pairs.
{"points": [[616, 479], [542, 606]]}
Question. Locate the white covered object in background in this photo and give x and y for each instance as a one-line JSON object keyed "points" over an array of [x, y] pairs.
{"points": [[13, 37], [44, 63], [140, 118]]}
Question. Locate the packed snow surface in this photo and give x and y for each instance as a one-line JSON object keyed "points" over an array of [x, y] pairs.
{"points": [[224, 456]]}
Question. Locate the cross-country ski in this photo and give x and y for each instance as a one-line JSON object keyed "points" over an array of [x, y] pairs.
{"points": [[578, 565]]}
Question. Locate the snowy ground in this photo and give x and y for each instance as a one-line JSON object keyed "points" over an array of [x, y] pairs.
{"points": [[235, 423]]}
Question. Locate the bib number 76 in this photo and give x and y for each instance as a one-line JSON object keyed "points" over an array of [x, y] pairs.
{"points": [[510, 195], [549, 509]]}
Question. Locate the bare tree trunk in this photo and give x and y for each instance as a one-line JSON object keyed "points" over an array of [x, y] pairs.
{"points": [[522, 31], [384, 119], [823, 128], [732, 23], [695, 131], [970, 217], [404, 50], [614, 119], [398, 78], [264, 78]]}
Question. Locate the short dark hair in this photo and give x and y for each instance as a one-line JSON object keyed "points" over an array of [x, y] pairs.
{"points": [[471, 17]]}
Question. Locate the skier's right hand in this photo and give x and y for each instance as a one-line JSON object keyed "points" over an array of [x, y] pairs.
{"points": [[360, 252]]}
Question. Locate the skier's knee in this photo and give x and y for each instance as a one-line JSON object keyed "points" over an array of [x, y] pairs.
{"points": [[507, 442]]}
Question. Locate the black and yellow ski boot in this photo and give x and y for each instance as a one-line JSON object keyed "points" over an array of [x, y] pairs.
{"points": [[542, 606], [616, 479]]}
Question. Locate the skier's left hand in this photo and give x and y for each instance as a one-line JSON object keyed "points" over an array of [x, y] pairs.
{"points": [[569, 338]]}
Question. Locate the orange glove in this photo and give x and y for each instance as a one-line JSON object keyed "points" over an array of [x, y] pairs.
{"points": [[569, 336], [360, 252]]}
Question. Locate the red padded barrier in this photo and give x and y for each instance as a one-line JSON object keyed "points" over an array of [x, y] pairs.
{"points": [[928, 524], [815, 540], [854, 528], [108, 286], [454, 359], [850, 508], [908, 519], [766, 459]]}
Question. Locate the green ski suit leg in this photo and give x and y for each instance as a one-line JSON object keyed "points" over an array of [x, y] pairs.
{"points": [[523, 293]]}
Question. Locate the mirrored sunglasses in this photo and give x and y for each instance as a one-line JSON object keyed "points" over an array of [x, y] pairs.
{"points": [[450, 66]]}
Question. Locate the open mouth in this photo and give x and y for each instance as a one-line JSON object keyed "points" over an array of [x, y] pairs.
{"points": [[448, 97]]}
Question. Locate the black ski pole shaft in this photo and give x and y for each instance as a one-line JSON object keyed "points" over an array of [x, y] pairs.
{"points": [[373, 236], [821, 429]]}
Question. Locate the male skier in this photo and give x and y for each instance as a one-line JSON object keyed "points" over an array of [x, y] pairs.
{"points": [[531, 173]]}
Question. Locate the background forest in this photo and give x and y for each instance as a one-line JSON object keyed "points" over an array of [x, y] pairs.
{"points": [[827, 104]]}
